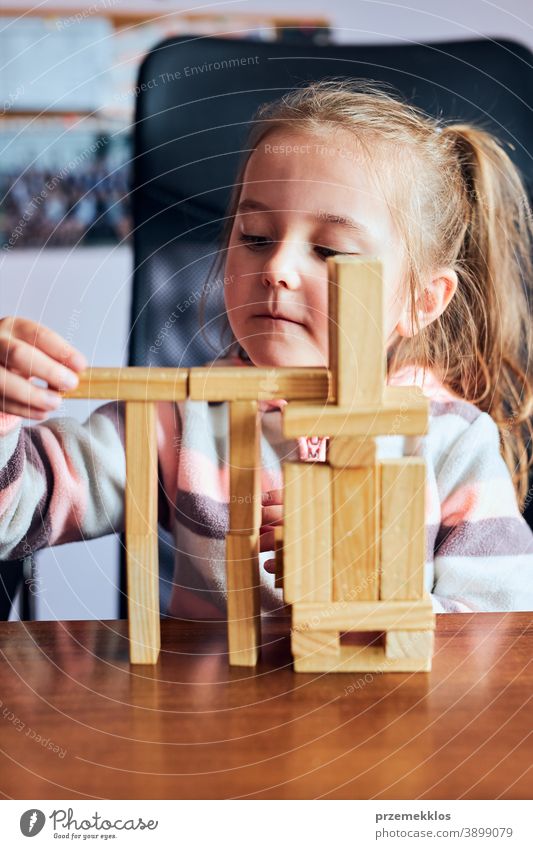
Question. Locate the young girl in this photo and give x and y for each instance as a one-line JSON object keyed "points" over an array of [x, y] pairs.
{"points": [[335, 167]]}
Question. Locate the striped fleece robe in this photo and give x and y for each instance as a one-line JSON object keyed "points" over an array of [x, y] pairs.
{"points": [[63, 480]]}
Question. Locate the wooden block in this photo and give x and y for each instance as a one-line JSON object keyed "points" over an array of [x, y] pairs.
{"points": [[401, 413], [305, 643], [399, 644], [357, 357], [403, 530], [245, 507], [142, 568], [355, 534], [364, 615], [346, 452], [369, 659], [307, 568], [248, 383], [141, 531], [244, 599], [134, 383], [278, 543]]}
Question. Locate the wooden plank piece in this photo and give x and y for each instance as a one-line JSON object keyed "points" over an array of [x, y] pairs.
{"points": [[141, 531], [357, 356], [134, 383], [305, 643], [365, 615], [307, 569], [410, 644], [249, 383], [403, 530], [406, 413], [278, 552], [244, 600], [345, 452], [371, 659], [245, 508], [355, 534]]}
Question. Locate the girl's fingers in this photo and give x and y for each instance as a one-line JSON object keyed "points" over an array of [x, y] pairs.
{"points": [[272, 515], [272, 496], [51, 343], [22, 398], [267, 540], [20, 357]]}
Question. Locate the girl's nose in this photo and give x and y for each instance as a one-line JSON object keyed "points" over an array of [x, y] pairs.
{"points": [[281, 270]]}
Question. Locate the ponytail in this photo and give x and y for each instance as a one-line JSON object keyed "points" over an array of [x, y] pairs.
{"points": [[495, 272]]}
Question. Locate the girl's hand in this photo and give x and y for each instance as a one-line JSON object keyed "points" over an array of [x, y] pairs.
{"points": [[28, 351], [272, 515]]}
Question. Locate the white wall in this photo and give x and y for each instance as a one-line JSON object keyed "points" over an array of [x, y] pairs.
{"points": [[84, 295], [362, 21]]}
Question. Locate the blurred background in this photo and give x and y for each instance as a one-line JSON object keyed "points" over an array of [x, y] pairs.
{"points": [[68, 79]]}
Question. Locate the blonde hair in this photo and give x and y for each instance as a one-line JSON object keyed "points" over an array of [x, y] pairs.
{"points": [[459, 202]]}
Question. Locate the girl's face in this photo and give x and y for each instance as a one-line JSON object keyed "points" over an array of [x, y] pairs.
{"points": [[304, 197]]}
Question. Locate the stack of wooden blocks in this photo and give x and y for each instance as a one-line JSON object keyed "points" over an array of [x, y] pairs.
{"points": [[350, 554], [353, 551]]}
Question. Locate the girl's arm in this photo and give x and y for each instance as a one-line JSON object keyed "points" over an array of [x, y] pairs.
{"points": [[60, 480], [63, 480], [484, 549]]}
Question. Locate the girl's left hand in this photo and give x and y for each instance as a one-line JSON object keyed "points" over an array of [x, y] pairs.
{"points": [[272, 515]]}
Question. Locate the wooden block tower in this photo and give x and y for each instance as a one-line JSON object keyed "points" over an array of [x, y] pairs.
{"points": [[350, 556], [351, 562]]}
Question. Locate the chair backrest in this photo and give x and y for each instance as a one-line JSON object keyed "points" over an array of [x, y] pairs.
{"points": [[196, 96]]}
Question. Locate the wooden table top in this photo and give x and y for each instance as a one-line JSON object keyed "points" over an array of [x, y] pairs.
{"points": [[76, 721]]}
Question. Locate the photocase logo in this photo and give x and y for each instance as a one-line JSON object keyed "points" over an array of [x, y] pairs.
{"points": [[32, 822]]}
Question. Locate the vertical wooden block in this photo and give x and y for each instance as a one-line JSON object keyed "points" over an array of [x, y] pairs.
{"points": [[142, 563], [320, 643], [244, 600], [355, 534], [403, 532], [307, 571], [357, 356], [278, 552], [245, 467], [409, 644], [346, 452]]}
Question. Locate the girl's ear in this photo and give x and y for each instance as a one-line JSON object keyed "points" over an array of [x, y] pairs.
{"points": [[436, 296]]}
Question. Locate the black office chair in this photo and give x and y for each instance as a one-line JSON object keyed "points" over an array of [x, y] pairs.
{"points": [[196, 98], [16, 579]]}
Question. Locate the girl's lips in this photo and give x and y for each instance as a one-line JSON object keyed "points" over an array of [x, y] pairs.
{"points": [[279, 318]]}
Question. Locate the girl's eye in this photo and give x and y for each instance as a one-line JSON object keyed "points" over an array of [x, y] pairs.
{"points": [[258, 242], [326, 252], [253, 242]]}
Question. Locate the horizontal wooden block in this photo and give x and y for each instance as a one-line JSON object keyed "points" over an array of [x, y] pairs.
{"points": [[248, 383], [245, 507], [306, 643], [357, 355], [244, 599], [405, 412], [370, 659], [355, 516], [133, 383], [345, 452], [400, 644], [403, 529], [364, 615], [307, 549]]}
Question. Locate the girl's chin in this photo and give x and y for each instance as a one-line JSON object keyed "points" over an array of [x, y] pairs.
{"points": [[280, 358]]}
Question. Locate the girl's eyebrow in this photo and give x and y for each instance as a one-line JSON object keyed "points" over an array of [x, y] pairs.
{"points": [[357, 227]]}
